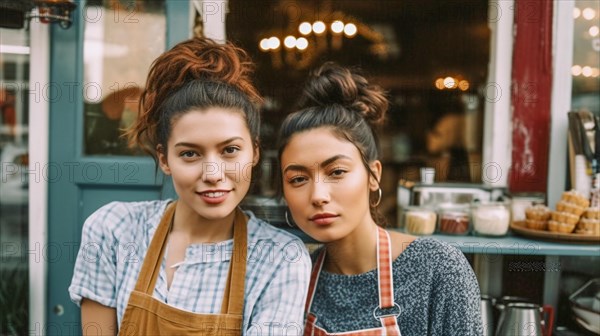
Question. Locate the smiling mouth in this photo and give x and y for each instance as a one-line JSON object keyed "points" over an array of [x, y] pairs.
{"points": [[214, 194]]}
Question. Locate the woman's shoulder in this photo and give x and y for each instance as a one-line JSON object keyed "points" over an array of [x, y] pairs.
{"points": [[261, 233], [259, 229], [117, 217], [434, 254]]}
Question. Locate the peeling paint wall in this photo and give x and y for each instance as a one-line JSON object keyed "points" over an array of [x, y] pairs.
{"points": [[531, 90]]}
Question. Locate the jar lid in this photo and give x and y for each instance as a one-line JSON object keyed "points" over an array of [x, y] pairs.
{"points": [[453, 206], [490, 204], [454, 214]]}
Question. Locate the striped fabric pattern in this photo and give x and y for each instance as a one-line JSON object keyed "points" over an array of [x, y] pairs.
{"points": [[114, 242], [389, 325]]}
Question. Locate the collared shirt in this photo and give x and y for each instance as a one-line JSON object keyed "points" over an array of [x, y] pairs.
{"points": [[114, 242]]}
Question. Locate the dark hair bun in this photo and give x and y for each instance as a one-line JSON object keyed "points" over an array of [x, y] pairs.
{"points": [[332, 84]]}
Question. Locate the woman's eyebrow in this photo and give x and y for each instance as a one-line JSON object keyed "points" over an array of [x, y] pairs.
{"points": [[333, 159], [193, 145], [323, 164]]}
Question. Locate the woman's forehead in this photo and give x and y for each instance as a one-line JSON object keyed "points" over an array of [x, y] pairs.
{"points": [[209, 125], [317, 145]]}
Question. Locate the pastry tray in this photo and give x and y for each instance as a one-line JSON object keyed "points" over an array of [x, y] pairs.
{"points": [[520, 228]]}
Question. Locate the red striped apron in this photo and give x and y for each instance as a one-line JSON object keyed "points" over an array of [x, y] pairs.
{"points": [[389, 322]]}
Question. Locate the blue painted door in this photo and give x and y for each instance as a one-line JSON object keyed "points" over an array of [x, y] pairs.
{"points": [[93, 62]]}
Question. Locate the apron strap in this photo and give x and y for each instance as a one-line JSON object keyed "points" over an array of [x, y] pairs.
{"points": [[385, 281], [153, 259], [384, 269], [314, 280], [233, 297], [390, 325]]}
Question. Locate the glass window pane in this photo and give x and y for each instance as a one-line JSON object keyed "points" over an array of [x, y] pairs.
{"points": [[430, 56], [14, 190], [586, 56], [121, 39]]}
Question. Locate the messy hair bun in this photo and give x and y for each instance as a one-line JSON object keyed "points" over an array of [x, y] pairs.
{"points": [[196, 73], [332, 84], [345, 103]]}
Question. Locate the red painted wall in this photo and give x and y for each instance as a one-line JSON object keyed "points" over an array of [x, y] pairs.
{"points": [[531, 89]]}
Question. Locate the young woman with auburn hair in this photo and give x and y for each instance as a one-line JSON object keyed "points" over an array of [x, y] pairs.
{"points": [[366, 280], [196, 265]]}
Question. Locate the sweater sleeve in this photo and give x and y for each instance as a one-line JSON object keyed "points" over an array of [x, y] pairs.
{"points": [[455, 304]]}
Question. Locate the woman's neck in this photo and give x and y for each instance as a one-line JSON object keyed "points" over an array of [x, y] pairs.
{"points": [[354, 254], [188, 223]]}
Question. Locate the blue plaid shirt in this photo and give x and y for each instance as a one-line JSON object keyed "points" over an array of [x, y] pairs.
{"points": [[114, 242]]}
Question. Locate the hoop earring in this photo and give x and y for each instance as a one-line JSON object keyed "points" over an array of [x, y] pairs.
{"points": [[287, 220], [379, 199]]}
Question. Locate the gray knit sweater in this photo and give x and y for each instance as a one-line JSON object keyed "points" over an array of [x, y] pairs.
{"points": [[434, 286]]}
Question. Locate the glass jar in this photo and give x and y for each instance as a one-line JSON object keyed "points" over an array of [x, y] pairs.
{"points": [[491, 218], [454, 220], [419, 220]]}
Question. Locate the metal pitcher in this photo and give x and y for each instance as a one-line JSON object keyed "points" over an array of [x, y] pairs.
{"points": [[487, 315], [505, 300], [519, 318]]}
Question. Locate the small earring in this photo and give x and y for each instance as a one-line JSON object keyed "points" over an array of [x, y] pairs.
{"points": [[379, 199], [287, 220]]}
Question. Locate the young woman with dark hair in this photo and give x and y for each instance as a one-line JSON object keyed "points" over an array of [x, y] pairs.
{"points": [[198, 265], [366, 280]]}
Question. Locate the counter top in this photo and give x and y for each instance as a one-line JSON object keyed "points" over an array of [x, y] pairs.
{"points": [[510, 244], [518, 245]]}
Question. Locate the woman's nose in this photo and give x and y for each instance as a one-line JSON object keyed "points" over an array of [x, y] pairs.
{"points": [[212, 172], [320, 193]]}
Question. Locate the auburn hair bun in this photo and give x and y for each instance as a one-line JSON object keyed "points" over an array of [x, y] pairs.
{"points": [[199, 59], [196, 59], [332, 84]]}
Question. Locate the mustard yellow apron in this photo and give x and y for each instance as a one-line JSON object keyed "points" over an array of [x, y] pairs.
{"points": [[146, 315]]}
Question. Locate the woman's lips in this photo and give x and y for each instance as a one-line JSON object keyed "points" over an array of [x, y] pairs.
{"points": [[324, 219]]}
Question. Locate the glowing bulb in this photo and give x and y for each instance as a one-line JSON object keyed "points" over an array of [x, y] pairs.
{"points": [[576, 12], [595, 72], [589, 13], [350, 29], [576, 70], [264, 44], [289, 42], [337, 26], [463, 85], [305, 28], [301, 43], [449, 82], [274, 43], [318, 27], [586, 71], [594, 31], [439, 84]]}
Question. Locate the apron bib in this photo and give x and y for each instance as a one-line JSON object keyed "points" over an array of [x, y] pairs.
{"points": [[389, 322], [146, 315]]}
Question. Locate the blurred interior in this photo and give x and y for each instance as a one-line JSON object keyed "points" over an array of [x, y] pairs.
{"points": [[408, 48], [431, 57]]}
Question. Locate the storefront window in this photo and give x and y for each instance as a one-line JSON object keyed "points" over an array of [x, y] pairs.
{"points": [[121, 39], [14, 189], [430, 56], [586, 57]]}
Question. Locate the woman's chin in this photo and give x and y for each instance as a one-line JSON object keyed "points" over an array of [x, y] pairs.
{"points": [[323, 236]]}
